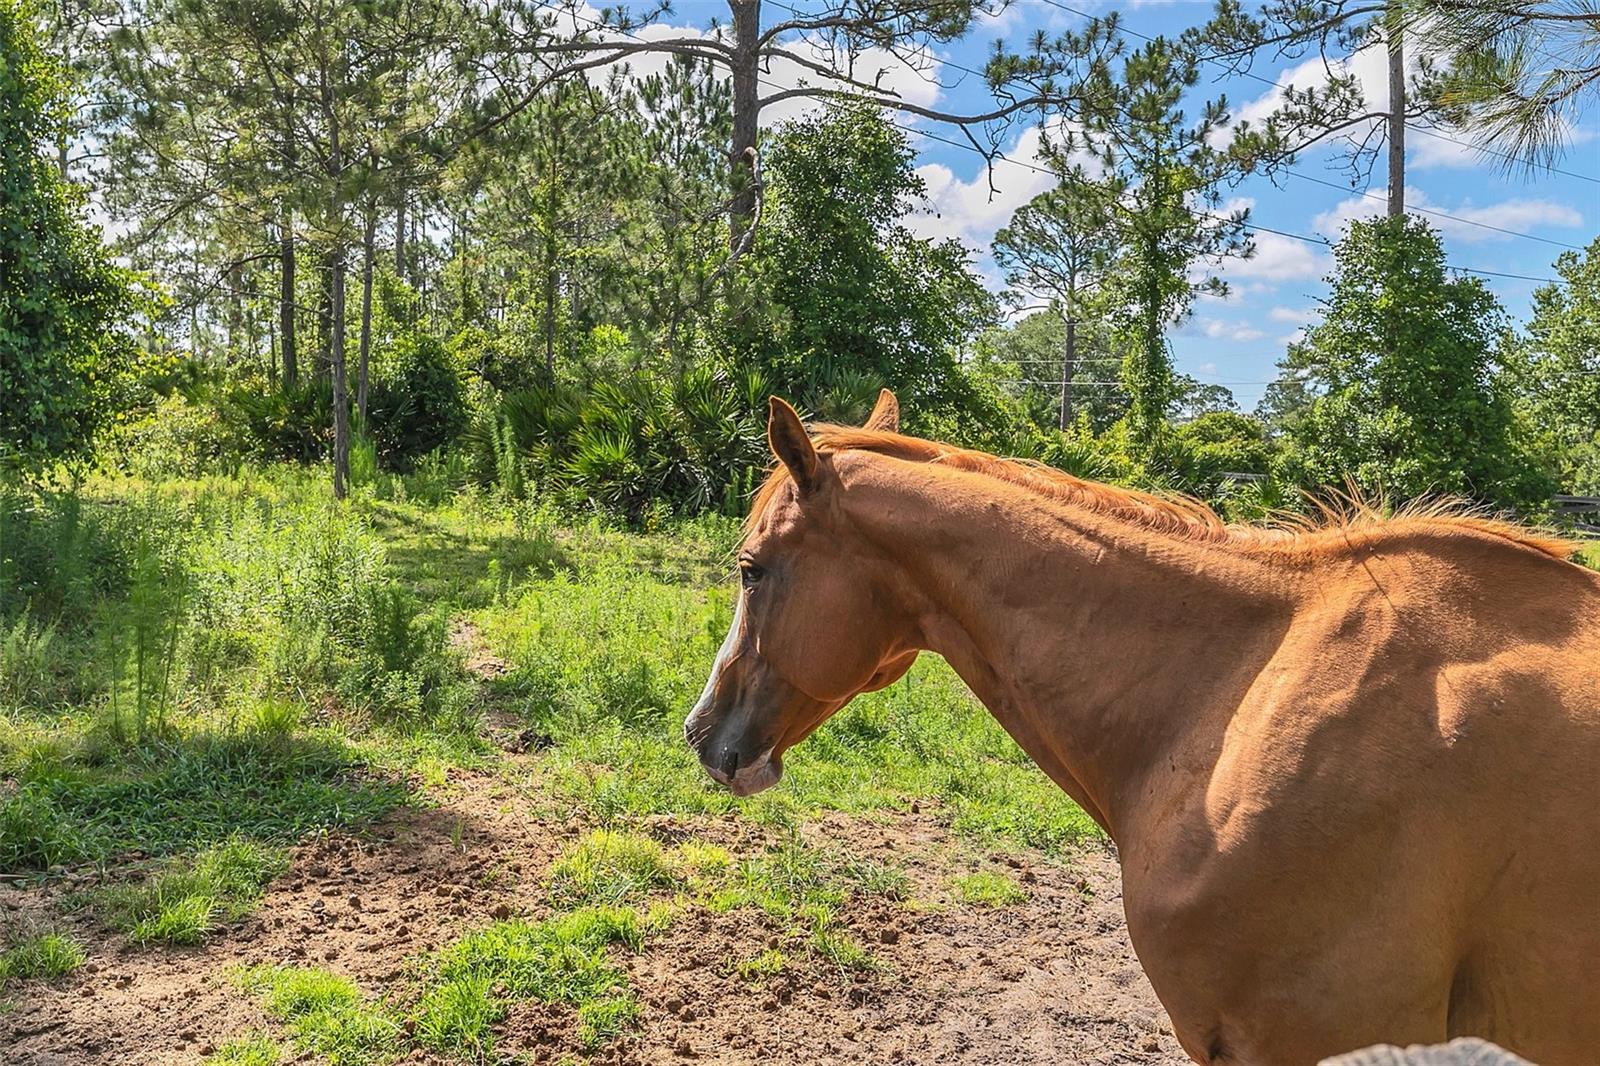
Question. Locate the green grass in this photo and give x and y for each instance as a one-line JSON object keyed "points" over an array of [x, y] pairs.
{"points": [[300, 681], [987, 888], [762, 966], [254, 1050], [45, 956], [191, 898], [1589, 554], [561, 960], [610, 867], [609, 659], [326, 1014], [92, 805]]}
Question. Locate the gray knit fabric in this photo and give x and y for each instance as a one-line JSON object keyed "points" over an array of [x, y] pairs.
{"points": [[1467, 1051]]}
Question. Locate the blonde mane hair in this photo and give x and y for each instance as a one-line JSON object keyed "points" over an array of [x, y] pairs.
{"points": [[1175, 515]]}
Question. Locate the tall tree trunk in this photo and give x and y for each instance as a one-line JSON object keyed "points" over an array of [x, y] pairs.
{"points": [[325, 314], [286, 297], [235, 323], [400, 232], [550, 321], [745, 69], [368, 250], [1069, 366], [341, 391], [1397, 108]]}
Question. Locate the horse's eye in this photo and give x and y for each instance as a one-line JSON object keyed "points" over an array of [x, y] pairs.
{"points": [[749, 573]]}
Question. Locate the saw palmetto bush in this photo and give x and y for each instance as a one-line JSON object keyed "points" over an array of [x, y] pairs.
{"points": [[689, 443]]}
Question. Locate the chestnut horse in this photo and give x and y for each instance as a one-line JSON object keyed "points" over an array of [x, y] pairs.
{"points": [[1350, 771]]}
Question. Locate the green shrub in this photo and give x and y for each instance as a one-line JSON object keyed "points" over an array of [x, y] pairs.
{"points": [[60, 555], [26, 662], [292, 423], [418, 402], [647, 443], [183, 434], [67, 311]]}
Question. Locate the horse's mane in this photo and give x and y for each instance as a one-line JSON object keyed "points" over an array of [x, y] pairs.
{"points": [[1176, 515]]}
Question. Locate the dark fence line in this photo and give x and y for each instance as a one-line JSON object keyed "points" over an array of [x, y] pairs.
{"points": [[1572, 506]]}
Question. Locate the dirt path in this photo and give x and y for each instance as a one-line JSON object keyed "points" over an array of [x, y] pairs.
{"points": [[1051, 979]]}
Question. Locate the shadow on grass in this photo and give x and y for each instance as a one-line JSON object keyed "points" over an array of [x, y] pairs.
{"points": [[440, 564], [183, 794]]}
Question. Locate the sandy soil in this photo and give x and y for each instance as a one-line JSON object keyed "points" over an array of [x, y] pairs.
{"points": [[1049, 980]]}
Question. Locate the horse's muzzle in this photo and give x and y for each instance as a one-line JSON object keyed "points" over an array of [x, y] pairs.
{"points": [[744, 774]]}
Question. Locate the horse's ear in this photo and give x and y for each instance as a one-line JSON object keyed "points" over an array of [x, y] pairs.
{"points": [[885, 413], [792, 444]]}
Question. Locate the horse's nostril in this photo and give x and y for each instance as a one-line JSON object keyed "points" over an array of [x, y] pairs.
{"points": [[729, 763]]}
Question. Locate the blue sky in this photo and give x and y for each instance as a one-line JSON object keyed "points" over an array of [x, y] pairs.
{"points": [[1237, 341]]}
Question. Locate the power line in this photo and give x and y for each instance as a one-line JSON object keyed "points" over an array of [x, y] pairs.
{"points": [[1251, 226], [1410, 126], [1369, 195]]}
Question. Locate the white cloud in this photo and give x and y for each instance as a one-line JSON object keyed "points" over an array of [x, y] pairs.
{"points": [[1293, 338], [1279, 258], [1290, 314], [968, 210], [1515, 214], [1217, 329]]}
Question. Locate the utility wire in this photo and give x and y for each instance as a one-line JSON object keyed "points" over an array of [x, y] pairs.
{"points": [[1254, 226], [1410, 126], [1369, 195], [1366, 194], [1323, 241]]}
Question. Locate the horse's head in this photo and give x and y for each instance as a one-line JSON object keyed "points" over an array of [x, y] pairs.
{"points": [[815, 622]]}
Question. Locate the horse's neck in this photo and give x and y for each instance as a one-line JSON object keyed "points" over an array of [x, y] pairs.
{"points": [[1110, 653]]}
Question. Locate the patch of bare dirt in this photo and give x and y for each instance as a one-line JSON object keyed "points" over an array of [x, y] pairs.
{"points": [[1049, 980]]}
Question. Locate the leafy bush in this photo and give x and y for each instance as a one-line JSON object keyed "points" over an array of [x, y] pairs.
{"points": [[691, 443], [293, 423], [418, 401], [64, 305]]}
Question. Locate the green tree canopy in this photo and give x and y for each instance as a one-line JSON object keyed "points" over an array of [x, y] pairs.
{"points": [[1408, 400], [863, 302], [1556, 370], [64, 306]]}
